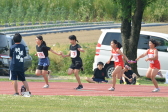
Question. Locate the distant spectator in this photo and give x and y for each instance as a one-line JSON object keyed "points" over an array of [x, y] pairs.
{"points": [[129, 77], [98, 75]]}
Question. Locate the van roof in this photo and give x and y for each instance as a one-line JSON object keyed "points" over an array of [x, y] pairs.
{"points": [[163, 35]]}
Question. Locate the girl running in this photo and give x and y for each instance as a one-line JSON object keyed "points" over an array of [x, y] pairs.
{"points": [[74, 53], [118, 62], [43, 63], [154, 67]]}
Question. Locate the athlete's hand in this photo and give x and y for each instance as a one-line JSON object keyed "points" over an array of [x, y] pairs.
{"points": [[35, 54], [108, 62], [60, 53], [130, 80], [147, 59], [63, 56]]}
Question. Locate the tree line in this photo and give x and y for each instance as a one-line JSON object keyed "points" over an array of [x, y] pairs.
{"points": [[13, 11]]}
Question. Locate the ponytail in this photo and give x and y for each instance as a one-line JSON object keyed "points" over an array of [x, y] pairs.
{"points": [[118, 44], [41, 38], [73, 37], [44, 43]]}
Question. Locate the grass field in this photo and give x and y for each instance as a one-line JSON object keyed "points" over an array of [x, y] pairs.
{"points": [[82, 104]]}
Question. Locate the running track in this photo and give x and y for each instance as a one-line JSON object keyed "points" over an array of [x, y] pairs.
{"points": [[90, 89]]}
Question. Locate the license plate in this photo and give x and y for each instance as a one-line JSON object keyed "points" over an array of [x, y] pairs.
{"points": [[5, 61]]}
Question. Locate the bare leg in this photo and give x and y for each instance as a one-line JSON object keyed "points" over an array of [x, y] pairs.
{"points": [[76, 71], [153, 75], [123, 78], [44, 73], [148, 74], [114, 74], [134, 75], [70, 71], [110, 81], [16, 86], [120, 74], [38, 72], [90, 80], [26, 86]]}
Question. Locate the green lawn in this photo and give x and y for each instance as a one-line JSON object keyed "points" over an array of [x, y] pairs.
{"points": [[82, 104]]}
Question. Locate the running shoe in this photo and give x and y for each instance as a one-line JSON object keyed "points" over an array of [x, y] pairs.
{"points": [[137, 83], [27, 94], [125, 83], [111, 89], [79, 87], [16, 94], [46, 86], [156, 90]]}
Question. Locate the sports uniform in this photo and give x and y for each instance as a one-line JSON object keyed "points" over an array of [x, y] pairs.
{"points": [[17, 52], [118, 61], [42, 53], [153, 63], [75, 57]]}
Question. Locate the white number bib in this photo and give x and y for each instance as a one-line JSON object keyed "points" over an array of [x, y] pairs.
{"points": [[40, 55], [115, 57], [73, 53], [151, 56]]}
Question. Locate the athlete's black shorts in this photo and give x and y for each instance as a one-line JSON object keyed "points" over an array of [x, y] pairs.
{"points": [[76, 63], [42, 67]]}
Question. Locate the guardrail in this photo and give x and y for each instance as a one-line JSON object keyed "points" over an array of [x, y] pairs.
{"points": [[65, 27]]}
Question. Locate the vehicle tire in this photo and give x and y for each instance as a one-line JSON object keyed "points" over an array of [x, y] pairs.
{"points": [[109, 70]]}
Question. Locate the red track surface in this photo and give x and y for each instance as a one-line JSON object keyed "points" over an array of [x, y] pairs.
{"points": [[90, 89]]}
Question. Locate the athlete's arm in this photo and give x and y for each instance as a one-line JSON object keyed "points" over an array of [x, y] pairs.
{"points": [[141, 56], [109, 59], [125, 57], [81, 50], [60, 53], [68, 55]]}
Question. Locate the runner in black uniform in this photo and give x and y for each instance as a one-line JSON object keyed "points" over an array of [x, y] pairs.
{"points": [[74, 53], [44, 62]]}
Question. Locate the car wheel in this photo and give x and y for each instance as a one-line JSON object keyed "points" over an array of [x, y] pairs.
{"points": [[109, 70]]}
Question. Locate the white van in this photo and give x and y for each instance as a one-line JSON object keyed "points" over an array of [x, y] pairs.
{"points": [[103, 49]]}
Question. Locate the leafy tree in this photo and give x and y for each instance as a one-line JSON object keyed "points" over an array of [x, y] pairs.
{"points": [[131, 18]]}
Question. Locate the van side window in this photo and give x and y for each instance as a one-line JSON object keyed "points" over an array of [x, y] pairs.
{"points": [[111, 36], [163, 44], [143, 42]]}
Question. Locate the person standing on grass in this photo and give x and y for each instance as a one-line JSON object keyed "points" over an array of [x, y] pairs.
{"points": [[44, 62], [118, 61], [154, 67], [17, 54], [76, 65]]}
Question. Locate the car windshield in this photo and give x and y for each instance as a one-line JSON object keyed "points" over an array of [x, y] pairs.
{"points": [[111, 36]]}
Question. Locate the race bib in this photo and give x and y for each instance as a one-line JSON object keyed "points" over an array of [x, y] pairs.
{"points": [[73, 53], [115, 57], [40, 55], [151, 56]]}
